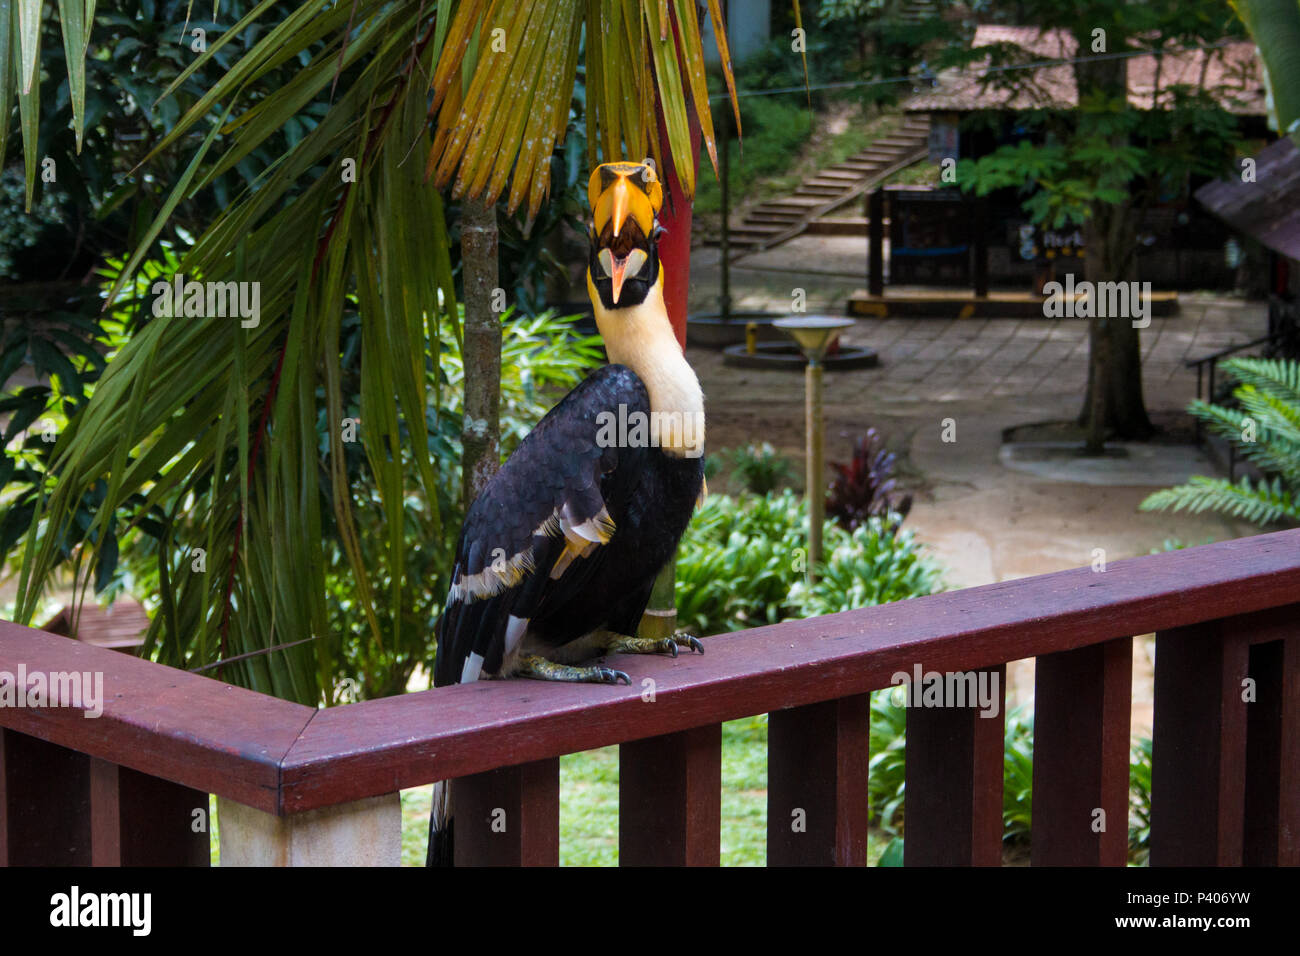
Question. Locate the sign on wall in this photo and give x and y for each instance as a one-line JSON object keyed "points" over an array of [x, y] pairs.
{"points": [[944, 137]]}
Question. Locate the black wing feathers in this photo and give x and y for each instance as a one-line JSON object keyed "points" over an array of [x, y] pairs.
{"points": [[512, 536]]}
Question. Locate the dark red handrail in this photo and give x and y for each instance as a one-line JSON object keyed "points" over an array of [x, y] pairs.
{"points": [[1226, 612]]}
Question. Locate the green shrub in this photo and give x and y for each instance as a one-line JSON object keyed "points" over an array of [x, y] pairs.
{"points": [[1017, 775], [743, 563], [1265, 430], [1139, 827], [759, 468], [869, 565], [775, 129]]}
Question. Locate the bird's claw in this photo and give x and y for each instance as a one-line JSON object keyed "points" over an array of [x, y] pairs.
{"points": [[610, 676], [686, 640]]}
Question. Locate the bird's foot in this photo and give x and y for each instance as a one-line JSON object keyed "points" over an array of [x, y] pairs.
{"points": [[539, 668], [623, 644]]}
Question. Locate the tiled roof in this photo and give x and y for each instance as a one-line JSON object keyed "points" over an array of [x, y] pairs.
{"points": [[1268, 208], [1232, 70]]}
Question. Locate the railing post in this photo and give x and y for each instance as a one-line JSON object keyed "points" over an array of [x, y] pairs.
{"points": [[953, 807], [44, 803], [817, 760], [1272, 811], [1082, 702], [508, 817], [140, 820], [1198, 754], [670, 799], [362, 833]]}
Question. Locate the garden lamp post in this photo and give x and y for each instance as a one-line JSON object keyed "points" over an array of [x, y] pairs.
{"points": [[813, 334]]}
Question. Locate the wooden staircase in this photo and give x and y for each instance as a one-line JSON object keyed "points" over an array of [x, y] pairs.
{"points": [[779, 220]]}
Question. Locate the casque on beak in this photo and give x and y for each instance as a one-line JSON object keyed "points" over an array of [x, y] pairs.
{"points": [[622, 203]]}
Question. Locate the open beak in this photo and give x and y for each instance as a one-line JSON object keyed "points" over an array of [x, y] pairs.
{"points": [[618, 269], [616, 275]]}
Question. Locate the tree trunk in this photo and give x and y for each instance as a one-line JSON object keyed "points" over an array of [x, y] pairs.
{"points": [[480, 432], [1115, 407], [1113, 404]]}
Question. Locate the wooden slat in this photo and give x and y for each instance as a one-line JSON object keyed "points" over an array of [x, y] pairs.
{"points": [[952, 812], [139, 820], [670, 799], [44, 803], [369, 748], [1272, 811], [1082, 702], [1198, 757], [817, 783], [508, 817], [161, 721]]}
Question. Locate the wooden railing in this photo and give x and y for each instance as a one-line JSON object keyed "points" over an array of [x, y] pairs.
{"points": [[124, 788]]}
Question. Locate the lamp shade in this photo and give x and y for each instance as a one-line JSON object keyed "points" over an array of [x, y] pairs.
{"points": [[812, 333]]}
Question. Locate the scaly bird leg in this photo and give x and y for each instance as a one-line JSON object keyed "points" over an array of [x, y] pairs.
{"points": [[539, 668], [624, 644]]}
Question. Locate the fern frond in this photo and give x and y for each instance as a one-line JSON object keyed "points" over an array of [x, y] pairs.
{"points": [[1280, 377], [1261, 503]]}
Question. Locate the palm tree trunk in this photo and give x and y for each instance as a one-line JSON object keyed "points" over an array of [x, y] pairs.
{"points": [[480, 434]]}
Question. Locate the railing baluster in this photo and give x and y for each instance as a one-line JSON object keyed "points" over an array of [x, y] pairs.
{"points": [[509, 817], [817, 760], [1198, 770], [953, 809], [1272, 811], [1082, 702], [140, 820], [44, 803], [670, 799]]}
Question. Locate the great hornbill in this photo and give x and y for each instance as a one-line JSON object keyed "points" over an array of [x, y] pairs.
{"points": [[560, 550]]}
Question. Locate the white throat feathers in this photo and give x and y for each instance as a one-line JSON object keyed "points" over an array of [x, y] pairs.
{"points": [[642, 338]]}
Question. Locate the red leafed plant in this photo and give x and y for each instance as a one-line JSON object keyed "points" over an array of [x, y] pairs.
{"points": [[864, 487]]}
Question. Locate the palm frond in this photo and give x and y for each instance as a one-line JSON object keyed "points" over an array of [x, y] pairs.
{"points": [[228, 438]]}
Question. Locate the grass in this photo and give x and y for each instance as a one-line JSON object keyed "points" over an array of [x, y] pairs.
{"points": [[924, 173]]}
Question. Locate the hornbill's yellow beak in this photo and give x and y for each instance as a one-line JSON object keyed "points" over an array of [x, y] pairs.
{"points": [[625, 198]]}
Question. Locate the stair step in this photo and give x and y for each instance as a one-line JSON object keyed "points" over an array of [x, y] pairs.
{"points": [[838, 226], [838, 183], [829, 192], [784, 216], [761, 231], [803, 203]]}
